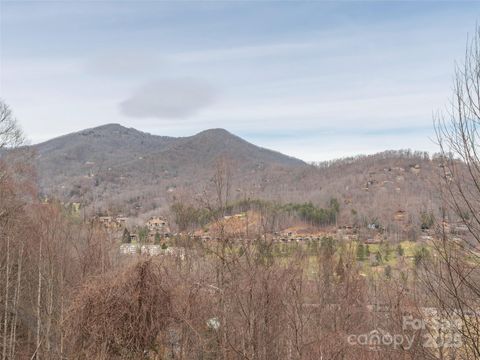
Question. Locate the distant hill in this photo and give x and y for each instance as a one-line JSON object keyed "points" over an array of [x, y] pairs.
{"points": [[125, 171], [111, 161]]}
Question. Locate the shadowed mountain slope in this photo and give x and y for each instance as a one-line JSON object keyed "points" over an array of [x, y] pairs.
{"points": [[114, 161]]}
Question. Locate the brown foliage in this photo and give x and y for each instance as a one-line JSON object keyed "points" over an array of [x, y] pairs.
{"points": [[120, 314]]}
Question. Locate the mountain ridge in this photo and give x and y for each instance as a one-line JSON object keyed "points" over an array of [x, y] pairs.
{"points": [[104, 161], [121, 170]]}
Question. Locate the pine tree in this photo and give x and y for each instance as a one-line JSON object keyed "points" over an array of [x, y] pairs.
{"points": [[400, 250], [360, 252], [340, 270], [388, 271], [126, 236]]}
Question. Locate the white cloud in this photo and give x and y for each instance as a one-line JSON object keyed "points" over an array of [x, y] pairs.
{"points": [[169, 98]]}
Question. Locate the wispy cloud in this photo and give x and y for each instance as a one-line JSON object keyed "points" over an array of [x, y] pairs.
{"points": [[169, 98], [240, 52]]}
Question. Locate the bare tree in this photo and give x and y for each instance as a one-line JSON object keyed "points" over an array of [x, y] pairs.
{"points": [[10, 133], [222, 179], [452, 276]]}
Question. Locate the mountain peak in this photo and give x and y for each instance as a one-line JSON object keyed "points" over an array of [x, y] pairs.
{"points": [[110, 126], [215, 132]]}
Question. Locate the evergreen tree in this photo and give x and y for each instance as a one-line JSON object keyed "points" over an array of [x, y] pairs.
{"points": [[420, 255], [143, 234], [126, 236], [340, 270], [388, 271], [386, 252], [400, 250], [360, 252]]}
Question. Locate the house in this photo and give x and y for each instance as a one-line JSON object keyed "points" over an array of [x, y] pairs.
{"points": [[346, 230], [400, 215], [121, 220], [459, 229], [128, 249], [151, 250], [415, 168], [158, 224], [133, 238], [107, 222], [105, 219], [113, 224]]}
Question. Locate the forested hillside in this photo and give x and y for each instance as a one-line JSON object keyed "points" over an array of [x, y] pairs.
{"points": [[120, 171]]}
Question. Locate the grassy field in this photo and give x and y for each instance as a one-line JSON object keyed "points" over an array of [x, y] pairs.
{"points": [[375, 259]]}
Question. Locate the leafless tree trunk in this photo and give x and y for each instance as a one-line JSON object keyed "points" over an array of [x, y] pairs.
{"points": [[7, 286], [13, 336], [39, 303], [453, 276], [222, 182], [10, 133]]}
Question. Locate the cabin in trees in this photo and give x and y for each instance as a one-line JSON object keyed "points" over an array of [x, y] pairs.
{"points": [[157, 224], [112, 223], [153, 231], [122, 221], [105, 220], [400, 215], [374, 240], [415, 168]]}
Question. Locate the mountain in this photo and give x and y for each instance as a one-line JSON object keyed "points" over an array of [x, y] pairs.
{"points": [[112, 162], [209, 144], [125, 171]]}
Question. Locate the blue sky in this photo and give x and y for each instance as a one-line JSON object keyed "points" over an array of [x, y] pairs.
{"points": [[316, 80]]}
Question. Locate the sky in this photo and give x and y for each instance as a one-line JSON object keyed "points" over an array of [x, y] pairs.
{"points": [[316, 80]]}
